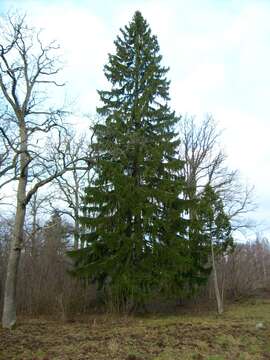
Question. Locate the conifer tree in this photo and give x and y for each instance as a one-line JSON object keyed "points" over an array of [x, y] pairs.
{"points": [[134, 228], [215, 223], [216, 231]]}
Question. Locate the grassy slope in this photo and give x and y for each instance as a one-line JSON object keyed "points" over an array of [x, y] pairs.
{"points": [[202, 336]]}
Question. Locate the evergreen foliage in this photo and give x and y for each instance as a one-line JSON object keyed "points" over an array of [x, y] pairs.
{"points": [[134, 228], [215, 223], [209, 225]]}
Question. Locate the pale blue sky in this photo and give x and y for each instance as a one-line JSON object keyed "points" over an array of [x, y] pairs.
{"points": [[218, 52]]}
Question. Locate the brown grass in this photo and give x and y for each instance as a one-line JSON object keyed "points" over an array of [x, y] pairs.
{"points": [[184, 337]]}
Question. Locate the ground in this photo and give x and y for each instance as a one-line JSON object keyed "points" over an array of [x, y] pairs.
{"points": [[242, 333]]}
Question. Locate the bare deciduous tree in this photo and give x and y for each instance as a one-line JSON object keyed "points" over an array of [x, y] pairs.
{"points": [[9, 150], [27, 69], [205, 164], [71, 184], [38, 208]]}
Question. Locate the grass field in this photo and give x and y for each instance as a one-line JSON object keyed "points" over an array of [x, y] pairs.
{"points": [[185, 336]]}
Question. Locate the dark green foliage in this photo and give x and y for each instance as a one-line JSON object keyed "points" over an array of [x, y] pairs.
{"points": [[134, 236], [209, 224], [215, 223]]}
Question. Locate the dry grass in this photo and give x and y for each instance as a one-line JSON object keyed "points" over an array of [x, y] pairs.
{"points": [[183, 337]]}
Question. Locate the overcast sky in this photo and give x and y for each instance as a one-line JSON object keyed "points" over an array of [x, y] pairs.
{"points": [[218, 52]]}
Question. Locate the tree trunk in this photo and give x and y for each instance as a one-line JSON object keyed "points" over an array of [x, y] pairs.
{"points": [[33, 235], [76, 233], [76, 212], [9, 310], [216, 287]]}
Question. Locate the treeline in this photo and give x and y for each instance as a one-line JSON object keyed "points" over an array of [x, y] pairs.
{"points": [[142, 207], [46, 288]]}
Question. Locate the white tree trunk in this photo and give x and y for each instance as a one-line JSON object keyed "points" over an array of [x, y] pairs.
{"points": [[219, 300], [9, 310]]}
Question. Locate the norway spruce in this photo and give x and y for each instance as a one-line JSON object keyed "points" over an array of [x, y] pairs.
{"points": [[134, 230]]}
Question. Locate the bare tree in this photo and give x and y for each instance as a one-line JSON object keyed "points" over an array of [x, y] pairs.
{"points": [[8, 149], [37, 213], [27, 69], [71, 184], [205, 165]]}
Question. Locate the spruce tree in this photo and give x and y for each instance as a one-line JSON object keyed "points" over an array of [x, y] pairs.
{"points": [[134, 228], [214, 222], [209, 230], [217, 233]]}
